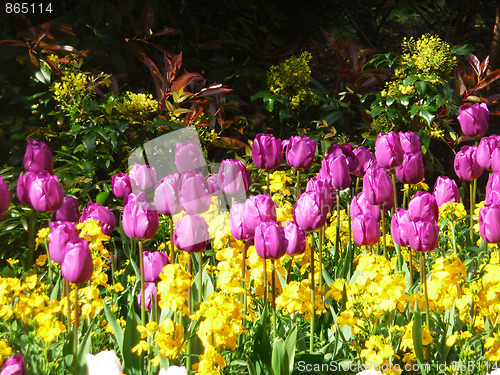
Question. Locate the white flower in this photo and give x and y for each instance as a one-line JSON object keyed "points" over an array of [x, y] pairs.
{"points": [[173, 370], [104, 363]]}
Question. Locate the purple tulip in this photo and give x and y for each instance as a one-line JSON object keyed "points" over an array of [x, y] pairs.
{"points": [[493, 183], [365, 230], [61, 232], [140, 220], [300, 151], [377, 186], [270, 240], [153, 264], [346, 150], [121, 185], [267, 151], [423, 206], [213, 186], [45, 193], [474, 120], [466, 166], [77, 265], [334, 168], [69, 210], [495, 160], [446, 190], [24, 183], [166, 198], [423, 235], [296, 238], [149, 296], [142, 178], [194, 195], [96, 211], [4, 197], [325, 189], [191, 233], [188, 155], [388, 150], [364, 157], [400, 227], [489, 224], [310, 212], [411, 171], [14, 366], [257, 208], [38, 157], [485, 150], [233, 178], [236, 219], [360, 205], [410, 142]]}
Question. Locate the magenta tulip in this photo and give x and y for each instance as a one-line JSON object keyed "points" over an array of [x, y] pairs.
{"points": [[24, 183], [466, 166], [364, 157], [346, 150], [194, 195], [149, 296], [191, 233], [4, 197], [96, 211], [121, 185], [166, 197], [400, 227], [296, 238], [45, 193], [360, 205], [410, 142], [325, 189], [188, 155], [377, 186], [153, 264], [493, 183], [213, 186], [365, 230], [446, 190], [233, 178], [474, 120], [69, 210], [236, 226], [140, 220], [257, 208], [423, 235], [300, 151], [485, 150], [388, 150], [77, 265], [310, 212], [267, 151], [411, 171], [38, 157], [61, 232], [142, 178], [334, 168], [423, 206], [489, 224], [14, 366], [270, 241]]}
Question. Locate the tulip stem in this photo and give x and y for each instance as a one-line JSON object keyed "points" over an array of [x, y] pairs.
{"points": [[243, 274], [75, 334], [268, 184], [337, 234], [143, 293], [265, 282], [473, 189], [273, 285], [382, 215], [190, 307], [393, 175], [172, 249], [411, 265], [200, 279], [313, 297], [68, 300], [423, 275], [320, 255], [298, 182], [452, 225], [31, 238]]}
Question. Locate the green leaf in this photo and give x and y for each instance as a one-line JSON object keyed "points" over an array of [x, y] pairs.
{"points": [[83, 350], [279, 360], [404, 100], [421, 87], [132, 362], [417, 334], [290, 345], [101, 197], [462, 50], [117, 329], [89, 143], [55, 292], [427, 116], [377, 110], [409, 80]]}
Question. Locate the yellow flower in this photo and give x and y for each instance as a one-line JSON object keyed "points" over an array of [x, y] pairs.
{"points": [[168, 338], [173, 287], [5, 351], [142, 346]]}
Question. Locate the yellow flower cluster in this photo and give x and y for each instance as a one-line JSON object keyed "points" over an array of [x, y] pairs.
{"points": [[218, 224], [173, 288], [444, 285], [256, 265], [296, 298], [92, 232], [5, 351], [278, 181], [452, 211], [167, 336], [331, 229], [379, 352], [72, 89], [429, 54], [407, 342], [229, 270], [136, 107]]}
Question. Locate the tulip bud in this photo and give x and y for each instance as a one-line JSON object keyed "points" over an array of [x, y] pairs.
{"points": [[149, 296], [257, 208], [236, 219], [335, 168], [142, 178], [423, 206], [446, 190], [4, 197], [365, 230], [267, 151], [364, 157], [140, 220], [296, 238], [38, 157], [474, 120], [423, 235], [388, 150], [77, 265], [104, 363], [121, 185], [400, 227], [233, 178], [489, 224], [466, 166], [153, 264], [377, 186], [360, 205], [69, 210], [410, 142], [309, 211], [188, 155], [411, 171], [45, 193], [61, 232], [166, 198], [300, 151], [270, 240], [194, 195], [96, 211], [14, 366], [191, 233]]}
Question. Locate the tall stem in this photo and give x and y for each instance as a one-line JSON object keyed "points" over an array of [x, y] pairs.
{"points": [[452, 224], [190, 307], [243, 274], [68, 302], [313, 296], [320, 255], [31, 238], [172, 249], [200, 279], [393, 175], [265, 281], [382, 215], [423, 275], [411, 266], [143, 293], [75, 334], [273, 285], [473, 189], [298, 183], [337, 233]]}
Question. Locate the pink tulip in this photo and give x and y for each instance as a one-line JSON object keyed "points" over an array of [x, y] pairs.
{"points": [[191, 233], [38, 157], [77, 265]]}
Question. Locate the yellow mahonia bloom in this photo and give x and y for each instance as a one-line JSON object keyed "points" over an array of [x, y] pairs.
{"points": [[136, 107]]}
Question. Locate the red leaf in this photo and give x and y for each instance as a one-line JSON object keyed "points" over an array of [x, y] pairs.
{"points": [[493, 76], [484, 64], [474, 61], [214, 90], [184, 80], [13, 43], [64, 48]]}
